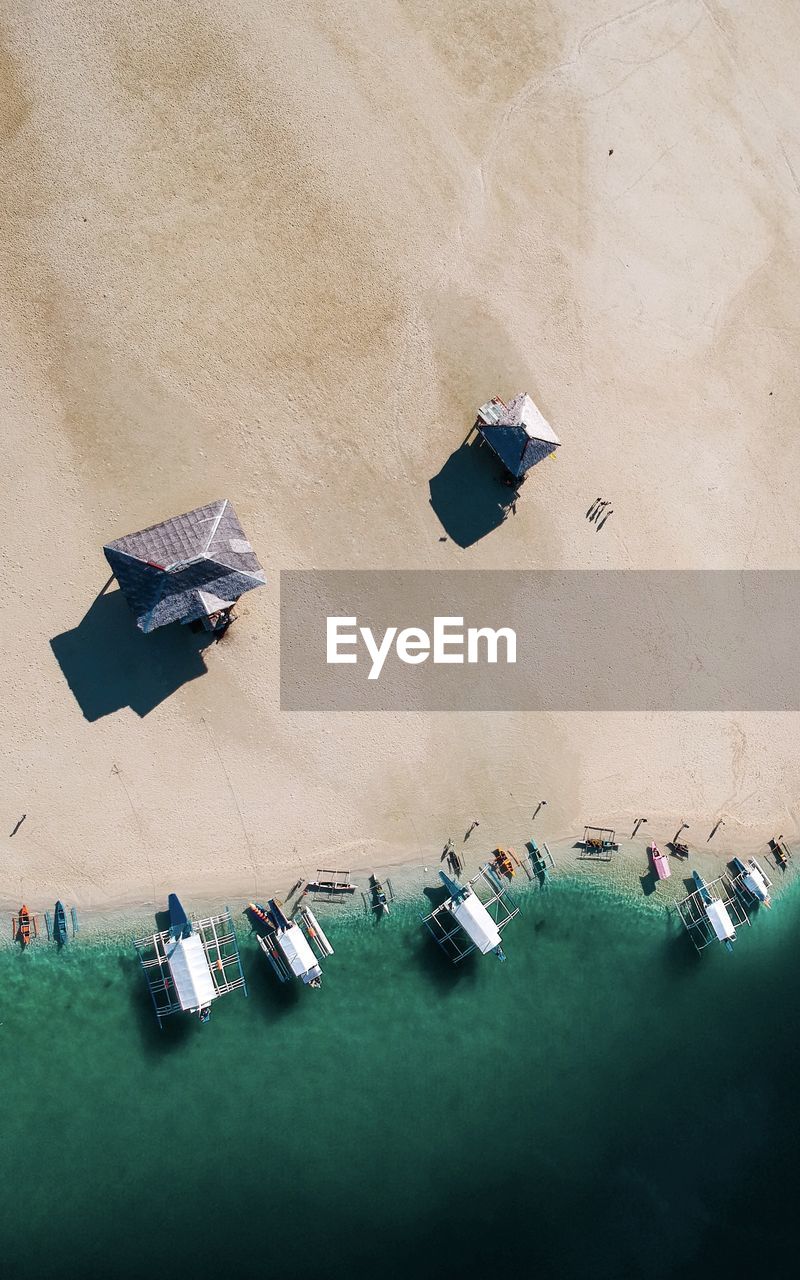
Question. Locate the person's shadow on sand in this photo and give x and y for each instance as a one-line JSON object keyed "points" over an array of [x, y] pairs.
{"points": [[109, 663], [468, 494]]}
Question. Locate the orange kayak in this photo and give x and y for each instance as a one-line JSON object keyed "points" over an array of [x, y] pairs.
{"points": [[24, 925]]}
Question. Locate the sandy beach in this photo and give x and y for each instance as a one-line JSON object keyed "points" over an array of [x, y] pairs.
{"points": [[280, 254]]}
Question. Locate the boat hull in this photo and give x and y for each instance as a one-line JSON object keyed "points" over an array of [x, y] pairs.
{"points": [[60, 934]]}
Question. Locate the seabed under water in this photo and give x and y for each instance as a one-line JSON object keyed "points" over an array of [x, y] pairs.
{"points": [[605, 1104]]}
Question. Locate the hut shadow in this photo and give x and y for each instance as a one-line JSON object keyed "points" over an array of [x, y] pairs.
{"points": [[468, 494], [109, 663]]}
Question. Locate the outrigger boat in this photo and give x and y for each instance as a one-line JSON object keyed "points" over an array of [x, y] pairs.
{"points": [[471, 914], [716, 912], [754, 879], [541, 861], [503, 862], [188, 962], [780, 852], [660, 862], [331, 882], [288, 946], [191, 963], [23, 926], [60, 934], [379, 902]]}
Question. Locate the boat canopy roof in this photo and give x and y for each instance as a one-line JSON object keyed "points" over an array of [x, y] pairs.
{"points": [[188, 964], [300, 957], [476, 922], [720, 920], [754, 879]]}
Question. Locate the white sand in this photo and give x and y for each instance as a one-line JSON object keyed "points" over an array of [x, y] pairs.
{"points": [[279, 253]]}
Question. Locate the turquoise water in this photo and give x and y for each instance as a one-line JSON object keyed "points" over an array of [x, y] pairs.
{"points": [[604, 1104]]}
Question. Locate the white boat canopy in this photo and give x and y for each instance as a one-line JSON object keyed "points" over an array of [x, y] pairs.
{"points": [[755, 881], [476, 922], [720, 920], [188, 964], [300, 957]]}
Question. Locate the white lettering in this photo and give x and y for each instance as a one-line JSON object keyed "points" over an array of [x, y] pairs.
{"points": [[413, 645], [335, 639], [491, 637], [442, 638], [378, 653]]}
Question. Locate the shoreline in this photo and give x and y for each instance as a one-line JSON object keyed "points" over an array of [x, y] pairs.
{"points": [[623, 876]]}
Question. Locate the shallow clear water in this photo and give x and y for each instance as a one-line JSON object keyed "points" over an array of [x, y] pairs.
{"points": [[604, 1104]]}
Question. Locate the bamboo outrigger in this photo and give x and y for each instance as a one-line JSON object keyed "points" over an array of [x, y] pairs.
{"points": [[191, 964], [464, 914]]}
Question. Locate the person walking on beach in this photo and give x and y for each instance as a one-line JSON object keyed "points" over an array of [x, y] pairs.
{"points": [[471, 828]]}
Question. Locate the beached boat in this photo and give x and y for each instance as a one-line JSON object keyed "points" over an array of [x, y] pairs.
{"points": [[716, 913], [540, 861], [22, 926], [60, 934], [503, 862], [187, 965], [288, 943], [780, 852], [754, 879], [379, 902], [331, 883], [464, 911], [660, 861]]}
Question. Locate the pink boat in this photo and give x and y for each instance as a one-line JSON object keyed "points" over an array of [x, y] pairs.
{"points": [[660, 862]]}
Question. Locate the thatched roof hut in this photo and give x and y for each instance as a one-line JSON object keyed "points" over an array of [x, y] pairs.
{"points": [[194, 566]]}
